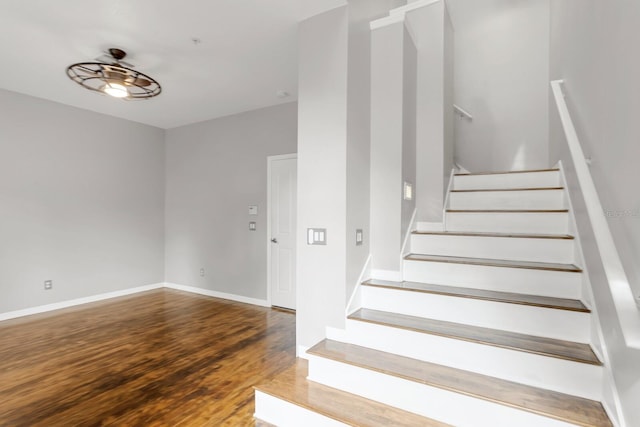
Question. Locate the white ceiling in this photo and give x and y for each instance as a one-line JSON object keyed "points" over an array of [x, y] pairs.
{"points": [[248, 52]]}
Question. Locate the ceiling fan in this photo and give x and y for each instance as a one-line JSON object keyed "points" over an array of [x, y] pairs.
{"points": [[114, 77]]}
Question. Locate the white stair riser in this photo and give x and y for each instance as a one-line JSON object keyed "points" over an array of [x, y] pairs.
{"points": [[544, 322], [510, 248], [507, 181], [284, 414], [578, 379], [509, 222], [538, 199], [449, 407], [558, 284]]}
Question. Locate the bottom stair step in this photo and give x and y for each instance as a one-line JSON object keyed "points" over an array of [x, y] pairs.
{"points": [[551, 404], [293, 387]]}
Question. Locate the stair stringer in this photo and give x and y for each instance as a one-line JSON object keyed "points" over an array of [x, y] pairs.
{"points": [[610, 397]]}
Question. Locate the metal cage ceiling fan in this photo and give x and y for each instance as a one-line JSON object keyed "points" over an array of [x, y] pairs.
{"points": [[114, 78]]}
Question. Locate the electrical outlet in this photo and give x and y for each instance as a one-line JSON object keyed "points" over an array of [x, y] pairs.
{"points": [[48, 284], [202, 272]]}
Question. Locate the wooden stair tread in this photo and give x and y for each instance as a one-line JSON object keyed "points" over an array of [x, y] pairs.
{"points": [[493, 234], [478, 190], [549, 347], [482, 294], [560, 406], [507, 210], [292, 386], [506, 172], [495, 262]]}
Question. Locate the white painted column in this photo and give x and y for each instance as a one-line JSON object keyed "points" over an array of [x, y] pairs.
{"points": [[386, 146]]}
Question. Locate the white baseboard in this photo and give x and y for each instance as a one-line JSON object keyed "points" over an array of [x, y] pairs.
{"points": [[124, 292], [391, 275], [355, 301], [216, 294], [78, 301]]}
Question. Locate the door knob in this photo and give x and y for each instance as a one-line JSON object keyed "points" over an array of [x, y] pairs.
{"points": [[274, 240]]}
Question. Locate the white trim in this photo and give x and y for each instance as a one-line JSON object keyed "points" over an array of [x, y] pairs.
{"points": [[216, 294], [623, 299], [615, 415], [402, 10], [355, 295], [270, 160], [452, 176], [386, 21], [391, 275], [78, 301], [407, 235], [398, 14]]}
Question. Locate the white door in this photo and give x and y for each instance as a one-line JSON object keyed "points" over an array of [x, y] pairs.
{"points": [[282, 219]]}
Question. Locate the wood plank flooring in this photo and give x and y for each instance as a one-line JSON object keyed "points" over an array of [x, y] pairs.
{"points": [[550, 347], [549, 403], [482, 294], [293, 387], [160, 358]]}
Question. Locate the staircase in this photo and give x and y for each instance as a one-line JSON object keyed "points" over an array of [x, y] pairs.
{"points": [[488, 328]]}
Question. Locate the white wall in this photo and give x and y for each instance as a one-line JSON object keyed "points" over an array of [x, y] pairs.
{"points": [[387, 89], [81, 203], [448, 52], [591, 45], [361, 12], [322, 172], [409, 106], [214, 171], [435, 141], [501, 78], [333, 161]]}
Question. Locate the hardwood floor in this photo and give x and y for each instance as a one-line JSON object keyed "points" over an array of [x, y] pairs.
{"points": [[160, 358]]}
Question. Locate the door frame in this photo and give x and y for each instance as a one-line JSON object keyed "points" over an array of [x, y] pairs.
{"points": [[270, 160]]}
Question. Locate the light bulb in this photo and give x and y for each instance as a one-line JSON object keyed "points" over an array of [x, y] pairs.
{"points": [[116, 90]]}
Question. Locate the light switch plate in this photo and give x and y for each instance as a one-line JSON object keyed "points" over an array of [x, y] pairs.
{"points": [[316, 236], [359, 237], [253, 210], [252, 226]]}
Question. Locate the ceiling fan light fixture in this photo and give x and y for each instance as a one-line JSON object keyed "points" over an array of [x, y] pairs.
{"points": [[116, 90], [114, 79]]}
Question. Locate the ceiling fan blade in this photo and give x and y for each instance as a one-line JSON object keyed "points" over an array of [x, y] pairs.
{"points": [[108, 59], [141, 82]]}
